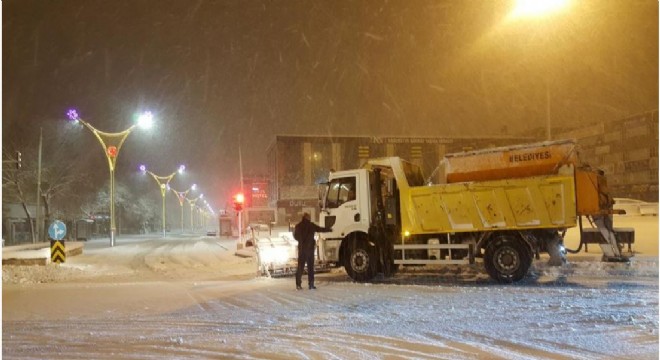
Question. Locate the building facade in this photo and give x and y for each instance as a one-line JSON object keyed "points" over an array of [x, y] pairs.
{"points": [[255, 190], [626, 149]]}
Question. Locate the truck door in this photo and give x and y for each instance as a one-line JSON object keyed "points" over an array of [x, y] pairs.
{"points": [[342, 207]]}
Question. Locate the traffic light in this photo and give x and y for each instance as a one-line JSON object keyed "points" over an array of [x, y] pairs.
{"points": [[239, 199], [18, 160]]}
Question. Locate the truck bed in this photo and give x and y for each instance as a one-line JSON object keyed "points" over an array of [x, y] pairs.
{"points": [[516, 204]]}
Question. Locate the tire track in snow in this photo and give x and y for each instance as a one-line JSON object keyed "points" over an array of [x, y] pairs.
{"points": [[520, 350]]}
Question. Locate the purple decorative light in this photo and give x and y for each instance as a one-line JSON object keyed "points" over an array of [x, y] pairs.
{"points": [[72, 114], [182, 168], [143, 168]]}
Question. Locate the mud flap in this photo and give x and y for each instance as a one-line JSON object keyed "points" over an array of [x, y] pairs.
{"points": [[387, 256], [385, 246]]}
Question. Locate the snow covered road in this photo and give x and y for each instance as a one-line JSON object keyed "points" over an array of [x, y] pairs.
{"points": [[192, 298]]}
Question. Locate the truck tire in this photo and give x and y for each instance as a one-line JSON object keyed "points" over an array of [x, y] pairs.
{"points": [[507, 259], [361, 261]]}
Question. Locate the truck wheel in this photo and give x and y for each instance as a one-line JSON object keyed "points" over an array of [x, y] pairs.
{"points": [[360, 261], [507, 259]]}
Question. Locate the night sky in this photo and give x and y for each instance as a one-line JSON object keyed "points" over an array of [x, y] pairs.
{"points": [[214, 71]]}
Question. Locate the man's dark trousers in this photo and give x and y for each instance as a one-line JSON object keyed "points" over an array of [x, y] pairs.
{"points": [[305, 256]]}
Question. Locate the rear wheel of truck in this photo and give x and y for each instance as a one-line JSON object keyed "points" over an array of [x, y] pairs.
{"points": [[360, 261], [507, 259]]}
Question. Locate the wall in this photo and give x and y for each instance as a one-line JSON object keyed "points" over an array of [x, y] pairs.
{"points": [[627, 150]]}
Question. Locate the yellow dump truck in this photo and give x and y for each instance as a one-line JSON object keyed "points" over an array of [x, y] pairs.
{"points": [[503, 205]]}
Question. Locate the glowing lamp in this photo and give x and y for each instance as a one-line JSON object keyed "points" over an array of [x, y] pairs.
{"points": [[72, 114], [112, 151], [239, 199], [145, 120]]}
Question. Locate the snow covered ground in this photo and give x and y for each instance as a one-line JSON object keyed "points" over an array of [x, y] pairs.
{"points": [[192, 298]]}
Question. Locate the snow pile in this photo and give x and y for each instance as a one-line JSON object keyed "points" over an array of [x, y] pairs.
{"points": [[140, 259], [33, 274], [637, 267]]}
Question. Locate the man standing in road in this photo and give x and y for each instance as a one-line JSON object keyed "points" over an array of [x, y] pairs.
{"points": [[304, 234]]}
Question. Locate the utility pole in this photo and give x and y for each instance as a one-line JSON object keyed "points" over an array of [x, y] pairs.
{"points": [[240, 212], [38, 220], [548, 129]]}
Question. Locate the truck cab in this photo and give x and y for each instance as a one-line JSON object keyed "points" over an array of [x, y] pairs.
{"points": [[350, 204], [345, 209]]}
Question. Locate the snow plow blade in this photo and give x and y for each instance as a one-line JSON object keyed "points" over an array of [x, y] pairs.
{"points": [[277, 256]]}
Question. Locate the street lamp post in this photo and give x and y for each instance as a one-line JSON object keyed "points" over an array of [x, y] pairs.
{"points": [[182, 196], [111, 144], [192, 203], [163, 184], [530, 9], [211, 216]]}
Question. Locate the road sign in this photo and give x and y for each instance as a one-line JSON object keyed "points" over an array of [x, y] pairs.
{"points": [[57, 230], [57, 251]]}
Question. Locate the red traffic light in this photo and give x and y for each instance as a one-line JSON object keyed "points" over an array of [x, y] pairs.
{"points": [[239, 199]]}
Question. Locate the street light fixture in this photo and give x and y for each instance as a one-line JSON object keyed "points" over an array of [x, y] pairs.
{"points": [[111, 144], [181, 196], [163, 184]]}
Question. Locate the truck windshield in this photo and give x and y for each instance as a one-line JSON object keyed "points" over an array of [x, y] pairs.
{"points": [[413, 173], [341, 190]]}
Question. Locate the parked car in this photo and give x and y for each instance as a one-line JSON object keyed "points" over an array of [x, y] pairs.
{"points": [[636, 207]]}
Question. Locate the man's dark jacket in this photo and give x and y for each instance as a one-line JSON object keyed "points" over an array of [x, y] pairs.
{"points": [[304, 234]]}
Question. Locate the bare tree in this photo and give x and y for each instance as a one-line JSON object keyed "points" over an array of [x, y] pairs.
{"points": [[14, 183], [62, 177], [134, 209], [59, 182]]}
